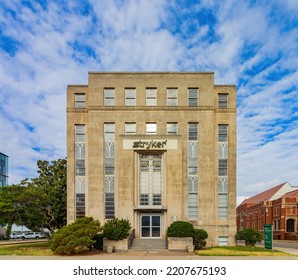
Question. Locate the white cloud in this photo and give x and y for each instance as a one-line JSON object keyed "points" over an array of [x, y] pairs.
{"points": [[58, 45]]}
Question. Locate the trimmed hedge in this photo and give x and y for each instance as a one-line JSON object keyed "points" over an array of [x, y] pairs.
{"points": [[180, 229], [116, 229], [250, 235]]}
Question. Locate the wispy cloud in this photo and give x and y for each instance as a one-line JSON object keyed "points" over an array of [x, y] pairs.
{"points": [[46, 45]]}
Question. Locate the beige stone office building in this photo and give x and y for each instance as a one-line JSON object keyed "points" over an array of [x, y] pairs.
{"points": [[153, 147]]}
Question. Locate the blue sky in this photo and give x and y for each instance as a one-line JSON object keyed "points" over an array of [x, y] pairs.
{"points": [[45, 45]]}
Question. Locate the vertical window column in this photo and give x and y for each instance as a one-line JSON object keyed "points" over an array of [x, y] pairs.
{"points": [[193, 165], [109, 170], [150, 176], [223, 152], [80, 179]]}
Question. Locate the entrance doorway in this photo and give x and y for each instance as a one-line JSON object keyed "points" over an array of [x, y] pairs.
{"points": [[150, 226]]}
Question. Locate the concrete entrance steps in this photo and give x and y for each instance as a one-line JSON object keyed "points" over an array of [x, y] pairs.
{"points": [[149, 244]]}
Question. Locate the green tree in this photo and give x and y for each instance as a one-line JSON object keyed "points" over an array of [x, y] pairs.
{"points": [[75, 237], [250, 236], [9, 206], [39, 203]]}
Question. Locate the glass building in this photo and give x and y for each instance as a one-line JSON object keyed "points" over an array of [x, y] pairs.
{"points": [[3, 170]]}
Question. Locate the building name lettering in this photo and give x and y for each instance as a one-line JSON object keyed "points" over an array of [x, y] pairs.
{"points": [[149, 144]]}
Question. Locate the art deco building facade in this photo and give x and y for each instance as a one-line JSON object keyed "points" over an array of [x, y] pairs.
{"points": [[153, 148]]}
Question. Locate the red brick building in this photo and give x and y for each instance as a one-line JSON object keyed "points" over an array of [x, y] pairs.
{"points": [[277, 206]]}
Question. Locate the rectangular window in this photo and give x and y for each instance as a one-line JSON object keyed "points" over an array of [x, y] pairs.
{"points": [[223, 200], [80, 205], [80, 167], [80, 133], [222, 101], [109, 206], [151, 128], [172, 97], [223, 241], [222, 212], [222, 133], [130, 128], [172, 128], [156, 199], [109, 130], [144, 199], [222, 167], [130, 97], [192, 131], [151, 95], [192, 166], [109, 97], [192, 206], [193, 97], [80, 100]]}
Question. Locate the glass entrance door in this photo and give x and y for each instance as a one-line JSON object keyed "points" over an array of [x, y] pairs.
{"points": [[150, 226]]}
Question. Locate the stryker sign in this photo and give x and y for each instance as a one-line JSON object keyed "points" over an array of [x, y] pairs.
{"points": [[153, 144], [150, 144]]}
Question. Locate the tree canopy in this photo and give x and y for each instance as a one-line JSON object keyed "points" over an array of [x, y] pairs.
{"points": [[37, 203]]}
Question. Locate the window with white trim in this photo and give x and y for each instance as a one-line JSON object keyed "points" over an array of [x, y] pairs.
{"points": [[130, 128], [109, 97], [222, 100], [151, 96], [172, 128], [223, 241], [151, 128], [193, 97], [222, 133], [172, 96], [130, 97], [80, 100]]}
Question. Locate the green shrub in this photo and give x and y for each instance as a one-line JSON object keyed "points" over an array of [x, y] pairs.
{"points": [[180, 229], [98, 238], [250, 236], [199, 238], [116, 229], [75, 237]]}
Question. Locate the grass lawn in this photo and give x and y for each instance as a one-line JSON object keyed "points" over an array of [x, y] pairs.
{"points": [[241, 251], [41, 249], [30, 249]]}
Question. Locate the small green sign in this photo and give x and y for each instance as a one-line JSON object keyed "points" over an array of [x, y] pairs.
{"points": [[268, 237]]}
